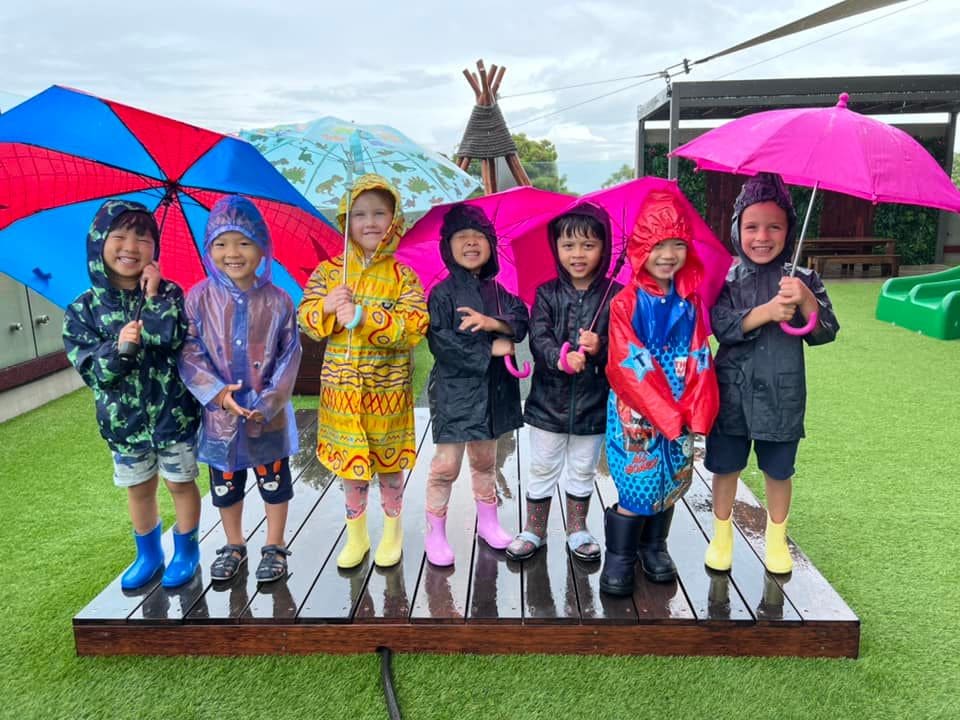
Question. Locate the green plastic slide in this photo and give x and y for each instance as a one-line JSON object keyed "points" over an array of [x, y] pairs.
{"points": [[929, 304]]}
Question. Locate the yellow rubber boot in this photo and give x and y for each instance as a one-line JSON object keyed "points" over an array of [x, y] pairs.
{"points": [[720, 550], [358, 542], [391, 544], [777, 558]]}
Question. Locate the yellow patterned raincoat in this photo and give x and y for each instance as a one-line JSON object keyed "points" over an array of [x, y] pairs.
{"points": [[366, 394]]}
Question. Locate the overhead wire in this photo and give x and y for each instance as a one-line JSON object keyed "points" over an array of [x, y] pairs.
{"points": [[833, 13]]}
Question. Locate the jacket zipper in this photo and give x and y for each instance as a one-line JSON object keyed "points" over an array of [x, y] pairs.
{"points": [[573, 381]]}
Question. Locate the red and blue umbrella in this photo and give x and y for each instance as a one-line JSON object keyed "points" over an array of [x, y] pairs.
{"points": [[64, 152]]}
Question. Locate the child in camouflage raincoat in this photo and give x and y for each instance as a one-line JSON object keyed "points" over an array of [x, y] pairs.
{"points": [[145, 412]]}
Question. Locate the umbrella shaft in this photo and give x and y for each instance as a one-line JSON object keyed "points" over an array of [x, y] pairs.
{"points": [[803, 230]]}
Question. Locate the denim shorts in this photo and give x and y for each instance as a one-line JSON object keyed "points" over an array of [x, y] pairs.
{"points": [[176, 463], [729, 454]]}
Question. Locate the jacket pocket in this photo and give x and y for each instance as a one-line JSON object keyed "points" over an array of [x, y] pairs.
{"points": [[790, 390]]}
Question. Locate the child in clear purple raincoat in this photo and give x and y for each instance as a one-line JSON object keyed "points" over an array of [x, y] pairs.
{"points": [[240, 360]]}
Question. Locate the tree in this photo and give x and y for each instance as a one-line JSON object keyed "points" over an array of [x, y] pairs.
{"points": [[539, 159], [620, 176], [956, 170]]}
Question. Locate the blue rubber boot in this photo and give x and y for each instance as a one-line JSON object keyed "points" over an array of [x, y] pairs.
{"points": [[149, 559], [186, 558]]}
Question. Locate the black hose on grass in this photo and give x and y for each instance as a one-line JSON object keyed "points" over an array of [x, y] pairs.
{"points": [[386, 674]]}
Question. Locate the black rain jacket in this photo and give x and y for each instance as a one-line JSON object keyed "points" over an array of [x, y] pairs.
{"points": [[472, 395], [558, 402], [763, 390]]}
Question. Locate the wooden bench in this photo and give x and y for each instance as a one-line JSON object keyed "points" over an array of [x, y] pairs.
{"points": [[888, 262]]}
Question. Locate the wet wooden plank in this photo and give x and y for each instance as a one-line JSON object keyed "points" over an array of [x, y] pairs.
{"points": [[654, 602], [756, 586], [391, 590], [809, 592], [495, 589], [230, 601], [310, 541], [443, 593]]}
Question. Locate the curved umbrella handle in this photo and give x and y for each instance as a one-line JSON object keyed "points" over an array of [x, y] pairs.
{"points": [[512, 369], [797, 332], [564, 349]]}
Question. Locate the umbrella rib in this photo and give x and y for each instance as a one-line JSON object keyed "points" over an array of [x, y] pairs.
{"points": [[137, 138]]}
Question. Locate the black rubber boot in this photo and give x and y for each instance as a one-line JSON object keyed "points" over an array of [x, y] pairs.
{"points": [[621, 553], [652, 550]]}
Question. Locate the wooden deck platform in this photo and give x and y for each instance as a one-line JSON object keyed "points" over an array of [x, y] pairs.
{"points": [[485, 603]]}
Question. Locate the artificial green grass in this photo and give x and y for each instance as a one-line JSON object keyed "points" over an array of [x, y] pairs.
{"points": [[875, 508]]}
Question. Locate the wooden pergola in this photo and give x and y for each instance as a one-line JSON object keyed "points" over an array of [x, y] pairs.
{"points": [[729, 99]]}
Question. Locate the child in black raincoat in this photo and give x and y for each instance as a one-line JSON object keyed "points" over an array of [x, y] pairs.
{"points": [[474, 323], [760, 368]]}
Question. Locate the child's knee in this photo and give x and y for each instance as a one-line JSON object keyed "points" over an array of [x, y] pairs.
{"points": [[444, 468], [226, 487], [274, 482]]}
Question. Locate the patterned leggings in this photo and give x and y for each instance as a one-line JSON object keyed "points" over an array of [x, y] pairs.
{"points": [[391, 495]]}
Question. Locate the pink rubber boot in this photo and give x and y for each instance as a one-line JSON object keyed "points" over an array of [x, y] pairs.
{"points": [[488, 527], [439, 552]]}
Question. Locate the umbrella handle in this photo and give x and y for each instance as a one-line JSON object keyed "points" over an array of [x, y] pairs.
{"points": [[799, 332], [564, 349], [512, 369]]}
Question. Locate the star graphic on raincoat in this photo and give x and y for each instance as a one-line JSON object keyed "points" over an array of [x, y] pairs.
{"points": [[639, 360], [702, 357]]}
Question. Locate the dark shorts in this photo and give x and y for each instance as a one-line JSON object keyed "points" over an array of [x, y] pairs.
{"points": [[729, 454], [273, 481]]}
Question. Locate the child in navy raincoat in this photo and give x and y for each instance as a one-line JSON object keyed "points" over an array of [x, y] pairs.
{"points": [[662, 391], [240, 360], [760, 368]]}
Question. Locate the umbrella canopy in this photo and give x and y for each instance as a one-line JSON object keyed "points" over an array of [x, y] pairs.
{"points": [[622, 203], [322, 156], [63, 152], [835, 148], [511, 212]]}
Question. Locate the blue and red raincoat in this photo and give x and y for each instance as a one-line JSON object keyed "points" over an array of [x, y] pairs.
{"points": [[662, 383], [242, 336]]}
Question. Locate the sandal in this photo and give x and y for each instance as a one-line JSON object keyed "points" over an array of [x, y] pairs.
{"points": [[524, 546], [578, 541], [273, 564], [229, 559]]}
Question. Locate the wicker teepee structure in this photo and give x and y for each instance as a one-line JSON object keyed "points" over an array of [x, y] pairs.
{"points": [[487, 137]]}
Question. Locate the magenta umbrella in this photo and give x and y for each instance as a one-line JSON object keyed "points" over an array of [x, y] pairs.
{"points": [[510, 211], [832, 148], [622, 203]]}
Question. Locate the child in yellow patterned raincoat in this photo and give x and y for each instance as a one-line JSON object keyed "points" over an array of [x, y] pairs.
{"points": [[370, 323]]}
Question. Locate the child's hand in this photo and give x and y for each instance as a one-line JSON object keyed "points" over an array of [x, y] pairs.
{"points": [[130, 332], [589, 342], [795, 291], [780, 309], [501, 347], [226, 402], [576, 360], [340, 295], [150, 280], [473, 320], [345, 313], [256, 416]]}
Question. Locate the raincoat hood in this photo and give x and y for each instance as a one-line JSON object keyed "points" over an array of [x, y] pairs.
{"points": [[391, 238], [764, 187], [662, 217], [468, 217], [590, 210], [99, 229], [234, 213]]}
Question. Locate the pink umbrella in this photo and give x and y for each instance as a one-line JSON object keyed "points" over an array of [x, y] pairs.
{"points": [[532, 252], [832, 148], [510, 211]]}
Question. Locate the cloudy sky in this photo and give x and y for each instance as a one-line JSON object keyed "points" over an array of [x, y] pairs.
{"points": [[242, 64]]}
